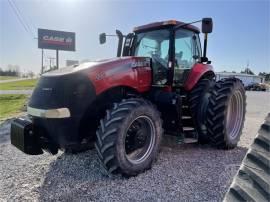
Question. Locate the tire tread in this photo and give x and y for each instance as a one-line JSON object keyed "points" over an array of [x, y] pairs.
{"points": [[216, 112], [107, 133], [254, 173]]}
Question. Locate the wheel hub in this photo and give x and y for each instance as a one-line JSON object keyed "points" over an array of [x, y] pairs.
{"points": [[139, 139]]}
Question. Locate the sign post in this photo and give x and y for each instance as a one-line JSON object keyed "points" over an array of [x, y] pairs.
{"points": [[42, 54], [57, 59], [55, 40]]}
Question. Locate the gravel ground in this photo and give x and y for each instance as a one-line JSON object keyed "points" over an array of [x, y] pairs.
{"points": [[186, 172]]}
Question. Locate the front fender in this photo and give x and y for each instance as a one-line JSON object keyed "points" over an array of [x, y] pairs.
{"points": [[134, 73]]}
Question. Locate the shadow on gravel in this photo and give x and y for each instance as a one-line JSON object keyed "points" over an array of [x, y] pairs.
{"points": [[182, 172]]}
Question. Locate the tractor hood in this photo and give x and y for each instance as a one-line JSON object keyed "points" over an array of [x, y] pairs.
{"points": [[79, 85], [103, 64], [105, 74]]}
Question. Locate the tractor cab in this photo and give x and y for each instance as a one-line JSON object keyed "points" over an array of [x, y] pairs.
{"points": [[173, 46]]}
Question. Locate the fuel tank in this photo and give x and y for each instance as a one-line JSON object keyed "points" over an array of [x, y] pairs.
{"points": [[62, 97]]}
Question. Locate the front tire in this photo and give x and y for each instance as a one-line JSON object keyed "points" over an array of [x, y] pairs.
{"points": [[129, 137], [226, 113]]}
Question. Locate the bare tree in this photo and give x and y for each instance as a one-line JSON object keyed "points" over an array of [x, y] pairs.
{"points": [[30, 74], [12, 70], [247, 71]]}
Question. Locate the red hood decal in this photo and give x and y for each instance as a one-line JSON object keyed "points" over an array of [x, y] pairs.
{"points": [[113, 62]]}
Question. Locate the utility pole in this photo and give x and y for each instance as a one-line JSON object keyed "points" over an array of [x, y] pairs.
{"points": [[51, 59], [57, 59], [42, 65], [247, 69]]}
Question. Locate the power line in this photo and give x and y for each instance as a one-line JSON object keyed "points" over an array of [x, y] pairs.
{"points": [[20, 19], [27, 21]]}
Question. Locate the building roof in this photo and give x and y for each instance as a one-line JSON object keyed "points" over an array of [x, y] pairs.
{"points": [[162, 24], [237, 74]]}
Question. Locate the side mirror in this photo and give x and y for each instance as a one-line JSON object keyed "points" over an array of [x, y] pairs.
{"points": [[102, 38], [207, 25]]}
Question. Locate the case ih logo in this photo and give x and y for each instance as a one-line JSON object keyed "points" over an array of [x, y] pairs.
{"points": [[56, 40], [145, 62]]}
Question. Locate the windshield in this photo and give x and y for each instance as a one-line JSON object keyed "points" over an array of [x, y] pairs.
{"points": [[155, 44]]}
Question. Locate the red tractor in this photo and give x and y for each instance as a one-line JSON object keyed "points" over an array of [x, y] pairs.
{"points": [[160, 83]]}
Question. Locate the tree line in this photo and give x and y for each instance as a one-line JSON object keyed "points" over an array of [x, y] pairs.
{"points": [[14, 70], [264, 74]]}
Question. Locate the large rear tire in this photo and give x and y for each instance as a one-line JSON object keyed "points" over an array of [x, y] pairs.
{"points": [[226, 113], [129, 137], [199, 100]]}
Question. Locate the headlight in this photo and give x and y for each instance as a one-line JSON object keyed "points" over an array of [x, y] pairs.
{"points": [[49, 113]]}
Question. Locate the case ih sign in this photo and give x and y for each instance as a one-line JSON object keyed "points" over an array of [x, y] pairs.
{"points": [[56, 40]]}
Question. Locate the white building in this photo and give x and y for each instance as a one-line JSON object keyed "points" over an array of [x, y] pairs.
{"points": [[245, 78], [71, 62]]}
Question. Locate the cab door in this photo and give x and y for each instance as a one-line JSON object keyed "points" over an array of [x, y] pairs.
{"points": [[155, 45], [187, 53]]}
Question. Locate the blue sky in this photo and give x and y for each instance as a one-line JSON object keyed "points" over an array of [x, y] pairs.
{"points": [[241, 28]]}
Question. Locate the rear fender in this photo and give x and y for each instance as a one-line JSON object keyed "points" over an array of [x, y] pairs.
{"points": [[197, 72]]}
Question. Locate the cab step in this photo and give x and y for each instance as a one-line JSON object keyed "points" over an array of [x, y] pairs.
{"points": [[186, 128], [190, 140], [186, 117], [170, 140]]}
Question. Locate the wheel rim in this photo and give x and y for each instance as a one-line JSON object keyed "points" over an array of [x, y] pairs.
{"points": [[139, 139], [235, 116]]}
